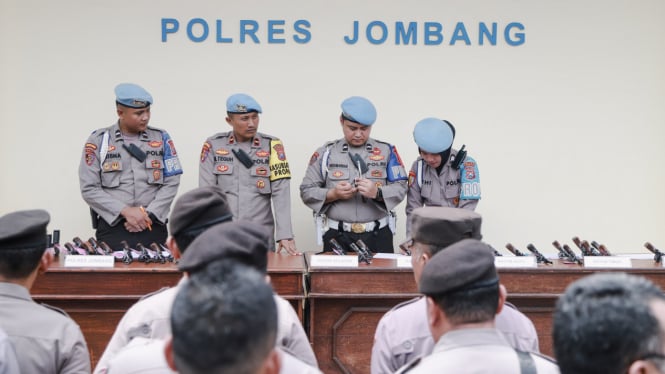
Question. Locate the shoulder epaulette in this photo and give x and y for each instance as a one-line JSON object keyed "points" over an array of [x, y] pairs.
{"points": [[405, 303], [55, 309], [154, 293]]}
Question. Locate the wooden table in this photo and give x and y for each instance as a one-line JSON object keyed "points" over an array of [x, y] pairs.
{"points": [[96, 298], [347, 303]]}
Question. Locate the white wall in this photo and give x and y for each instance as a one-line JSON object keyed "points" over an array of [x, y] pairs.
{"points": [[567, 128]]}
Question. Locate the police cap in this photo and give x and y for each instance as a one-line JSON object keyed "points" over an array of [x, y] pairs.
{"points": [[132, 95], [360, 110], [244, 241], [242, 103], [465, 265], [198, 209], [443, 226], [24, 229], [433, 135]]}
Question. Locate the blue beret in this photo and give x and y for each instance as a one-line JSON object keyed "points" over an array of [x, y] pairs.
{"points": [[25, 229], [433, 135], [241, 103], [359, 110], [132, 95]]}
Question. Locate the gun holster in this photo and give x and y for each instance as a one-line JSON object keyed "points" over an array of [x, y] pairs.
{"points": [[95, 219]]}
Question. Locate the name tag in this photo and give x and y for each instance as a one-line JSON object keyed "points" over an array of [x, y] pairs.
{"points": [[349, 261], [404, 262], [84, 261], [515, 262], [607, 262]]}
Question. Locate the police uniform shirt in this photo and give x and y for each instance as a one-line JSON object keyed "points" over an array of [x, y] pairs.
{"points": [[290, 364], [141, 355], [8, 362], [121, 180], [250, 190], [150, 318], [45, 340], [403, 335], [437, 189], [323, 174], [482, 350]]}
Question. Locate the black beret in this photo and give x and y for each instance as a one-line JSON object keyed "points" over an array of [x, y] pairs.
{"points": [[443, 226], [244, 241], [465, 265], [24, 229], [198, 209]]}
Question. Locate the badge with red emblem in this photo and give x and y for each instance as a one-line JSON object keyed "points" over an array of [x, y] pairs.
{"points": [[155, 144], [173, 151], [90, 146], [376, 157], [314, 157], [222, 168], [205, 151], [156, 164], [470, 170], [262, 153], [261, 171], [222, 151], [376, 151], [156, 174], [89, 158], [337, 174], [376, 173], [260, 184], [279, 148], [111, 148], [257, 142]]}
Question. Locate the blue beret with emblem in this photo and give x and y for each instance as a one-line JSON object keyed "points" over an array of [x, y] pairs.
{"points": [[360, 110], [132, 95], [24, 229], [242, 103], [433, 135]]}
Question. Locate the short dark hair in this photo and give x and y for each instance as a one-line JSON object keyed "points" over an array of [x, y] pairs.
{"points": [[603, 323], [470, 305], [19, 263], [224, 320]]}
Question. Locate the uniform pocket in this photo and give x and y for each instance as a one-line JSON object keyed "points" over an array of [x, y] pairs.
{"points": [[154, 170], [111, 173], [261, 176]]}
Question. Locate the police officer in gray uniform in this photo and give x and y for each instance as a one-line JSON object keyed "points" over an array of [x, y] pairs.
{"points": [[45, 339], [129, 174], [352, 184], [441, 176], [8, 361], [402, 334], [463, 294], [193, 213], [252, 169]]}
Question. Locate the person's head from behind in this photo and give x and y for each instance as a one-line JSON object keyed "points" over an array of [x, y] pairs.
{"points": [[435, 228], [462, 287], [224, 320], [193, 213], [242, 241], [610, 323], [23, 244]]}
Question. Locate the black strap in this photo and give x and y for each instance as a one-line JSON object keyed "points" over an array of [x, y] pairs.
{"points": [[243, 157], [527, 364], [135, 151]]}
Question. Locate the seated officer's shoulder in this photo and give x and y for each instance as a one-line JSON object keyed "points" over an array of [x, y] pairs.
{"points": [[55, 309], [403, 305], [409, 366]]}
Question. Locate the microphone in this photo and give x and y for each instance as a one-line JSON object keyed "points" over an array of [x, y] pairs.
{"points": [[363, 247], [539, 256], [572, 254], [658, 255], [362, 257], [568, 255], [514, 250], [601, 248], [163, 251], [336, 247], [585, 251]]}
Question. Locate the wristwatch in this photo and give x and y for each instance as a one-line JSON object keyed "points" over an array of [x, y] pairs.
{"points": [[379, 194]]}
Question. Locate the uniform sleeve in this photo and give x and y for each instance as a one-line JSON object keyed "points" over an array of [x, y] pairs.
{"points": [[91, 184], [294, 339], [395, 191], [381, 355], [206, 176], [118, 340], [281, 201], [8, 362], [313, 187], [75, 350], [161, 204], [413, 199]]}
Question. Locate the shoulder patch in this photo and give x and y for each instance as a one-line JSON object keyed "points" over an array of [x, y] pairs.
{"points": [[55, 309], [154, 293]]}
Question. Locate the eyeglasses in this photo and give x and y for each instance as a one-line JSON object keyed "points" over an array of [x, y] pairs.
{"points": [[406, 247]]}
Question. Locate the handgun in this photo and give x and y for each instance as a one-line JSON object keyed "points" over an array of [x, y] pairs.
{"points": [[658, 255], [539, 256], [514, 250]]}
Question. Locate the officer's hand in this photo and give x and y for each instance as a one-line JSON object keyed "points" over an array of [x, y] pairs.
{"points": [[136, 219], [289, 245], [344, 190], [366, 188]]}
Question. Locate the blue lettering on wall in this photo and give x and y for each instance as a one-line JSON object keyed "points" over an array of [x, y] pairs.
{"points": [[383, 32], [190, 30], [406, 36], [520, 38], [169, 26], [273, 30], [460, 34], [433, 33], [303, 35], [483, 33]]}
